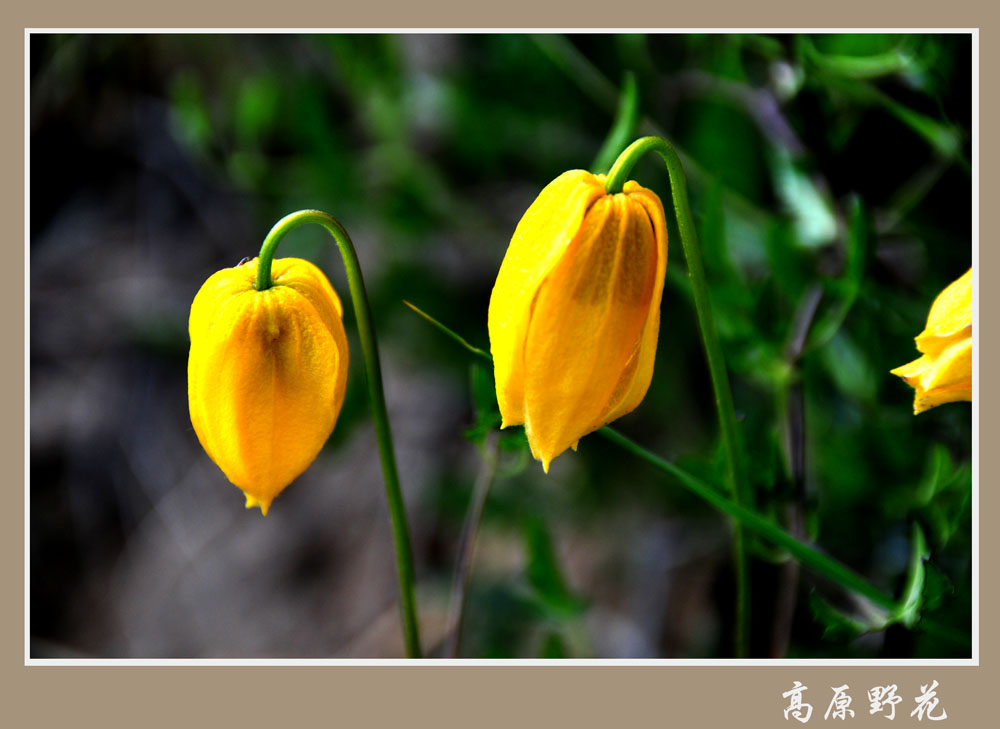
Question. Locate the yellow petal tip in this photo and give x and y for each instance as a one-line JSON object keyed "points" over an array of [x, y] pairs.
{"points": [[944, 371], [253, 501]]}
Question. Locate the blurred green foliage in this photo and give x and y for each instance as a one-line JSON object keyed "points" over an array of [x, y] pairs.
{"points": [[831, 178]]}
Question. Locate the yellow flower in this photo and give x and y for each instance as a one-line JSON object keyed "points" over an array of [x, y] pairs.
{"points": [[266, 373], [944, 373], [575, 311]]}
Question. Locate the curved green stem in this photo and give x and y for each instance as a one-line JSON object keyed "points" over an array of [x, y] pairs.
{"points": [[369, 348], [713, 351]]}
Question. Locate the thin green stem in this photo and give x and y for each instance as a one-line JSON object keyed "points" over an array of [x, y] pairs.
{"points": [[373, 370], [448, 332], [713, 352], [806, 555]]}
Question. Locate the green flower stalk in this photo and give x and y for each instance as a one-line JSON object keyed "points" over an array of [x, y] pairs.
{"points": [[736, 478], [267, 373]]}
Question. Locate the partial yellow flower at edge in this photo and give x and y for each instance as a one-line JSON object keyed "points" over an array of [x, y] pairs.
{"points": [[267, 371], [574, 314], [944, 372]]}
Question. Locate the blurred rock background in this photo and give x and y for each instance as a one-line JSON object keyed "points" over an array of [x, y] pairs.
{"points": [[831, 176]]}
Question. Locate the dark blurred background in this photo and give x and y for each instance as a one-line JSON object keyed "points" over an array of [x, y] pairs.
{"points": [[831, 180]]}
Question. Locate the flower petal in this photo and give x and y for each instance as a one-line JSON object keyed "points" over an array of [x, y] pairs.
{"points": [[940, 378], [950, 315], [586, 324], [927, 400], [944, 372], [267, 372], [540, 239], [638, 373]]}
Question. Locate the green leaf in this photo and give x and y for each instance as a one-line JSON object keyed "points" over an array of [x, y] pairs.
{"points": [[838, 626], [945, 138], [912, 601], [925, 586], [944, 495], [936, 586], [897, 59], [936, 473]]}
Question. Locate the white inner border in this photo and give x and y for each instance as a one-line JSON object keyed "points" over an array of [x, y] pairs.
{"points": [[29, 661]]}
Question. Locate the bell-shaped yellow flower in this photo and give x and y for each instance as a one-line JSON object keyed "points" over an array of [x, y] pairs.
{"points": [[944, 372], [266, 373], [575, 311]]}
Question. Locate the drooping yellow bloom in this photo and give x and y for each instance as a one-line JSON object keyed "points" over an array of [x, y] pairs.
{"points": [[944, 372], [575, 312], [267, 372]]}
